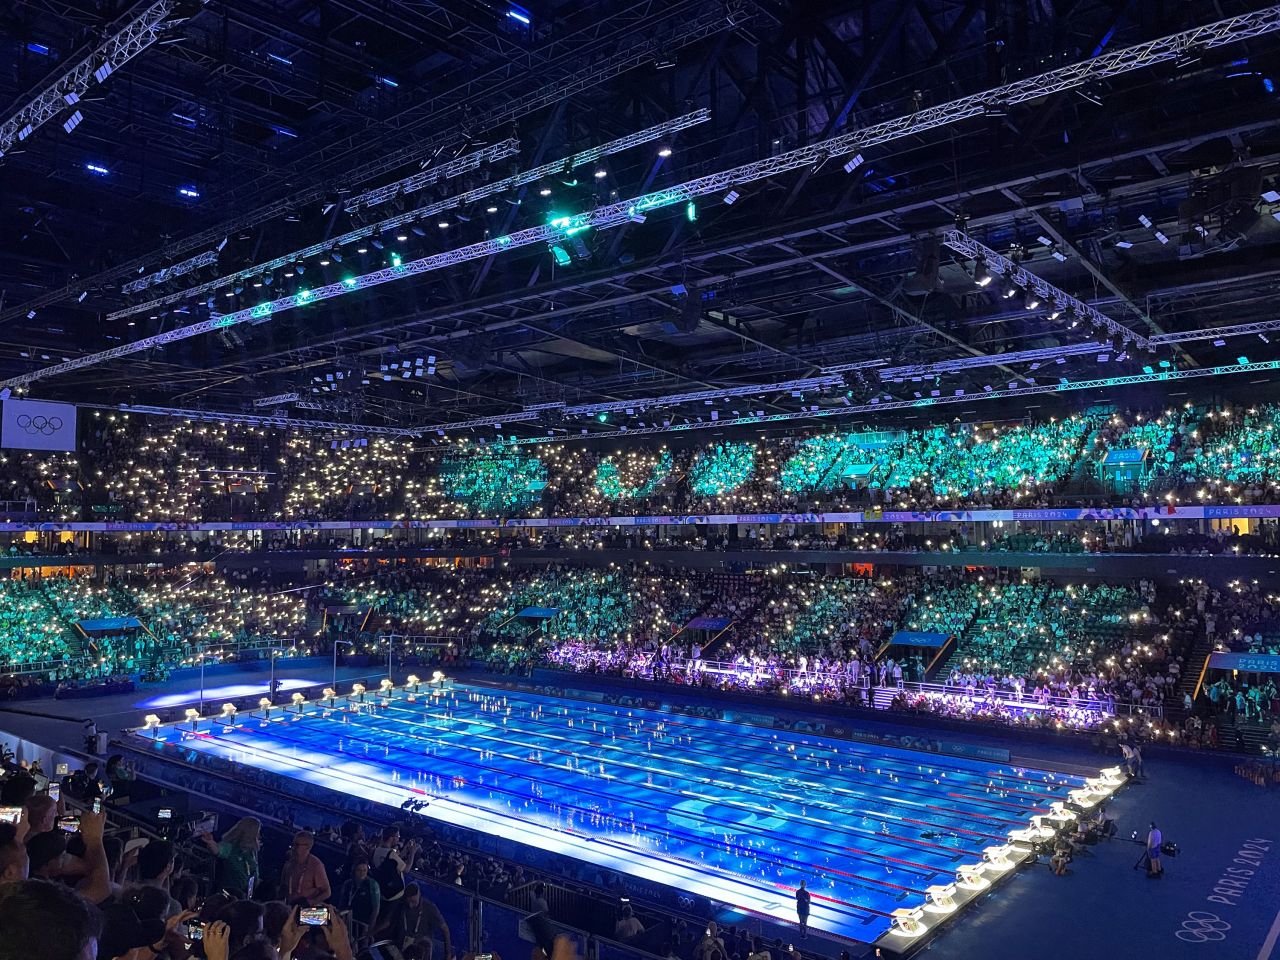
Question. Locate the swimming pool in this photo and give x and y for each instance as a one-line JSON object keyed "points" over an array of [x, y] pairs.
{"points": [[737, 813]]}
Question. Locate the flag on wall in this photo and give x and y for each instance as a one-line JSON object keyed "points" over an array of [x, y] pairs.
{"points": [[38, 425]]}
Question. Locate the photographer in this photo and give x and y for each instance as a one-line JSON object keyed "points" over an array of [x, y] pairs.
{"points": [[1154, 841]]}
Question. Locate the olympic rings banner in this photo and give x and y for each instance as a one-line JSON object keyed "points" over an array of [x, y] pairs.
{"points": [[38, 425]]}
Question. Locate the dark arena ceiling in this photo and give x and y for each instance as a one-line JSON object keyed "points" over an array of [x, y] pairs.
{"points": [[250, 153]]}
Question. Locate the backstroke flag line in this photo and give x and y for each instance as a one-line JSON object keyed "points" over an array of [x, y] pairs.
{"points": [[38, 425]]}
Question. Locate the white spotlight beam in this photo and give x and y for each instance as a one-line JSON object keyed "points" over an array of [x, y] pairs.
{"points": [[1001, 265], [462, 165], [123, 45], [1253, 24]]}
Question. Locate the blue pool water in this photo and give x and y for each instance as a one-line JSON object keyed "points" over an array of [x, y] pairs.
{"points": [[740, 814]]}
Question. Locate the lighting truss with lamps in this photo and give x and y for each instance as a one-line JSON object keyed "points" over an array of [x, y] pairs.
{"points": [[613, 406], [1068, 386], [122, 46], [250, 419], [498, 151], [277, 399], [446, 171], [1162, 50], [1002, 266], [208, 258], [630, 52], [1040, 355], [590, 155]]}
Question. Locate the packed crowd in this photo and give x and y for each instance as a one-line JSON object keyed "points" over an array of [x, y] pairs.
{"points": [[139, 468]]}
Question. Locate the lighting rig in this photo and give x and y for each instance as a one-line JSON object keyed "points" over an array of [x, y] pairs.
{"points": [[1073, 76], [65, 92]]}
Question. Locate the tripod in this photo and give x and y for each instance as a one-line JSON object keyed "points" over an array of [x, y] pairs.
{"points": [[1144, 860]]}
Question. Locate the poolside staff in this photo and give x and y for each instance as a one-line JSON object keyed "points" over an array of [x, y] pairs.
{"points": [[1154, 839], [802, 909]]}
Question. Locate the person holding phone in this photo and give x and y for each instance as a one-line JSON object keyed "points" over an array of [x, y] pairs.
{"points": [[237, 856], [303, 877]]}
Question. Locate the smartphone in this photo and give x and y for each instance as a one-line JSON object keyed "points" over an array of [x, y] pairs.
{"points": [[55, 790], [97, 805], [10, 814], [313, 916], [69, 824], [194, 930], [164, 813], [204, 826]]}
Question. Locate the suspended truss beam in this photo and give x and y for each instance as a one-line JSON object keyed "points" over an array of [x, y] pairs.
{"points": [[1050, 295], [1065, 386], [66, 91]]}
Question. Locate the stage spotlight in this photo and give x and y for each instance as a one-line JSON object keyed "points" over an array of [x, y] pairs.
{"points": [[853, 163], [981, 274], [1030, 300], [731, 197], [664, 148]]}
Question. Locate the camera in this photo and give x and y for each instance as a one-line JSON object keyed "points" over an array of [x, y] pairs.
{"points": [[1169, 848], [164, 813]]}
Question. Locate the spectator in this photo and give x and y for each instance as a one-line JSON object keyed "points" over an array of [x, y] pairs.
{"points": [[123, 932], [14, 864], [48, 919], [627, 927], [89, 873], [237, 856], [538, 903], [155, 870], [417, 923], [303, 878], [361, 898]]}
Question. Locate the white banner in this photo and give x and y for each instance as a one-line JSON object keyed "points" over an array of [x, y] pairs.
{"points": [[38, 425]]}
